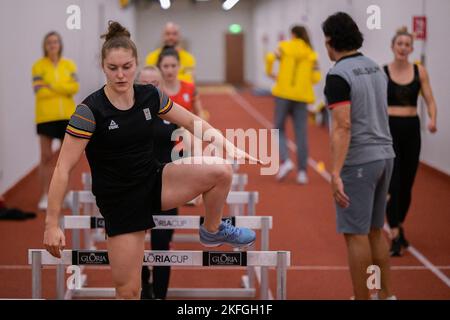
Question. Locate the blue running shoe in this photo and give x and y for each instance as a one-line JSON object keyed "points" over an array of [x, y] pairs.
{"points": [[227, 234]]}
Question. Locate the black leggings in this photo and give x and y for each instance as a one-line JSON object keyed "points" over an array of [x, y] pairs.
{"points": [[406, 137], [160, 240]]}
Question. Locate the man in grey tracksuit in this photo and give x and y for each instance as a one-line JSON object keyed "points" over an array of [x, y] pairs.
{"points": [[362, 152]]}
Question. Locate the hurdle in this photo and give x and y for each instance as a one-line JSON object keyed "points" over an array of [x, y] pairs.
{"points": [[249, 199], [263, 223], [238, 183], [85, 197], [278, 259]]}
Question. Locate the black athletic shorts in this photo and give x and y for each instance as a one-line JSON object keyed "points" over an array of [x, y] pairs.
{"points": [[53, 129], [133, 210]]}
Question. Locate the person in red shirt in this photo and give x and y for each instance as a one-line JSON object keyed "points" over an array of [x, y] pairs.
{"points": [[179, 91]]}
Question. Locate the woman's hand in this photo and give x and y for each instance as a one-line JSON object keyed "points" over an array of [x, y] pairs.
{"points": [[54, 241], [432, 126], [240, 154]]}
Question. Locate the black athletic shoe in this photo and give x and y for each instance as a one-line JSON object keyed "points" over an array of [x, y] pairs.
{"points": [[396, 247], [403, 241], [147, 291]]}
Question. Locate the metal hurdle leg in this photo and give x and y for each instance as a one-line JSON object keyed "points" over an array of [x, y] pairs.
{"points": [[60, 281], [87, 234], [76, 243], [249, 280], [60, 271], [251, 212], [238, 209], [88, 209], [36, 275], [264, 285], [240, 187], [251, 206], [234, 209], [282, 262]]}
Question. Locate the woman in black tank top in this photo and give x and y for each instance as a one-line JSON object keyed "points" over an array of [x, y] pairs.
{"points": [[405, 82]]}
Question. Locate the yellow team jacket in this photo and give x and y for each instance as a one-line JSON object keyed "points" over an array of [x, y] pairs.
{"points": [[187, 64], [54, 88], [297, 71]]}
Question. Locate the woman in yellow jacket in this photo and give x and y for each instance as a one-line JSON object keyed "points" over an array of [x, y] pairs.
{"points": [[55, 84], [293, 90]]}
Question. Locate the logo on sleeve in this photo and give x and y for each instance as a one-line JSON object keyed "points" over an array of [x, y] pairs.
{"points": [[148, 115], [360, 173], [113, 125]]}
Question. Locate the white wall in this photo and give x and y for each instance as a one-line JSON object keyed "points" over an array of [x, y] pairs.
{"points": [[203, 27], [275, 16], [436, 148], [23, 24]]}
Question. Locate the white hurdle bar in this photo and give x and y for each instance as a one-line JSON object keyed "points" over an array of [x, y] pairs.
{"points": [[278, 259], [249, 198], [170, 222], [263, 223]]}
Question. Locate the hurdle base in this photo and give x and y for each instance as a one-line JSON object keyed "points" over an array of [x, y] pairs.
{"points": [[171, 293], [211, 293]]}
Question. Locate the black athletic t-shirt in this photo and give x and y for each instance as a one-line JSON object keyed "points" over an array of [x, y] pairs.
{"points": [[164, 146], [120, 149]]}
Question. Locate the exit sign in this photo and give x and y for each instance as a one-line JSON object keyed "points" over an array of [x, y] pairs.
{"points": [[420, 27]]}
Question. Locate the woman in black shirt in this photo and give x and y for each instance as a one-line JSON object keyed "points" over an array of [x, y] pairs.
{"points": [[114, 126]]}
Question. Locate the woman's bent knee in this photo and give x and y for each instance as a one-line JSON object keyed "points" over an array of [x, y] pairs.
{"points": [[223, 173]]}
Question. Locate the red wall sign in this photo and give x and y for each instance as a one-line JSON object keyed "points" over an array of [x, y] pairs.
{"points": [[420, 27]]}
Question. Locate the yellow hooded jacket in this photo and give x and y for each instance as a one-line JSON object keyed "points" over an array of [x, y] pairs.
{"points": [[297, 71], [187, 64], [54, 88]]}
